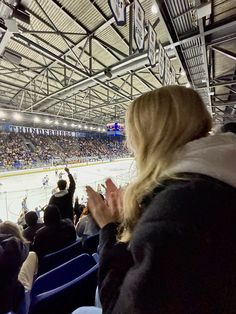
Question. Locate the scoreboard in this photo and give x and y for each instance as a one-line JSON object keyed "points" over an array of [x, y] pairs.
{"points": [[115, 129]]}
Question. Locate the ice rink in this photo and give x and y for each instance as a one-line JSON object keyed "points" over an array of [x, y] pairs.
{"points": [[14, 189]]}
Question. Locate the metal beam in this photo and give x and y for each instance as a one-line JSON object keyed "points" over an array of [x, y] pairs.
{"points": [[205, 59], [225, 52], [211, 31], [39, 94], [217, 84]]}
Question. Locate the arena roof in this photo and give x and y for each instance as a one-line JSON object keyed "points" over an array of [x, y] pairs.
{"points": [[55, 66]]}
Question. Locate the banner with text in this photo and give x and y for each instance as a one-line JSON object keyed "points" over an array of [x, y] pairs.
{"points": [[139, 27], [40, 131], [167, 70], [173, 82], [152, 37], [161, 61], [118, 9]]}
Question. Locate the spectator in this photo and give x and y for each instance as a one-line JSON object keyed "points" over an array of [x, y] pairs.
{"points": [[57, 233], [64, 198], [176, 242], [229, 127], [86, 226], [31, 219], [17, 267], [78, 209]]}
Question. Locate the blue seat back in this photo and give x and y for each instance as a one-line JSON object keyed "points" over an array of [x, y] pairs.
{"points": [[62, 274], [65, 299], [60, 257]]}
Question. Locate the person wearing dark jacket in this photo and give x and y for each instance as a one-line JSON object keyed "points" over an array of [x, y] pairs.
{"points": [[13, 252], [57, 233], [31, 220], [64, 198], [168, 245]]}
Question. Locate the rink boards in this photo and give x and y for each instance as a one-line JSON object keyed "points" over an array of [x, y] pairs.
{"points": [[15, 185]]}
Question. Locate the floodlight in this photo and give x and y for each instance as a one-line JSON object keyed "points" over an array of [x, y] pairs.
{"points": [[154, 8], [17, 116], [37, 119]]}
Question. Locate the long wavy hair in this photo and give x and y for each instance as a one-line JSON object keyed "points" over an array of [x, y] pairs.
{"points": [[8, 227], [158, 124]]}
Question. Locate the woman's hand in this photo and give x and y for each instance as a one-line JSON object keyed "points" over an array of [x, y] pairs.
{"points": [[108, 211], [114, 196]]}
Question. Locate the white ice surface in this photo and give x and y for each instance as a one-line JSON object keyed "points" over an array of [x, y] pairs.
{"points": [[13, 189]]}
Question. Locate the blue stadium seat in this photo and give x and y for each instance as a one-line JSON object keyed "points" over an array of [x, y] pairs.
{"points": [[65, 299], [96, 257], [91, 244], [62, 274], [60, 257]]}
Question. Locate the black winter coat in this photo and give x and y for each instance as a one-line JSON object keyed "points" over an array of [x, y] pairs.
{"points": [[182, 255], [53, 238], [64, 200], [13, 252], [29, 232]]}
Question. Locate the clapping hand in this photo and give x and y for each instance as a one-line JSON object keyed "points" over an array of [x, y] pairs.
{"points": [[108, 211]]}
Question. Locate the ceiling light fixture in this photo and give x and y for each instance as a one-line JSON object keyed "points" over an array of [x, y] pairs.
{"points": [[2, 114], [17, 116], [36, 119], [154, 8]]}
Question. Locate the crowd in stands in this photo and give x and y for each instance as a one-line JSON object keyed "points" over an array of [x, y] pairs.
{"points": [[92, 147], [44, 147], [26, 150], [167, 241], [13, 151]]}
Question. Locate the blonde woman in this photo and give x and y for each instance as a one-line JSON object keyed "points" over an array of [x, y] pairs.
{"points": [[171, 246]]}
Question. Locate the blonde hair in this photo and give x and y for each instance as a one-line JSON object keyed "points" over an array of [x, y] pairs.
{"points": [[8, 227], [158, 124]]}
